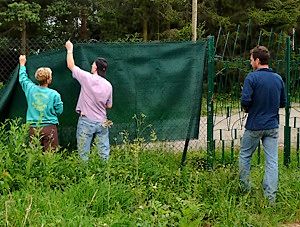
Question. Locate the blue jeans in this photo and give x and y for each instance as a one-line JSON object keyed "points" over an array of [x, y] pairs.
{"points": [[86, 131], [249, 143]]}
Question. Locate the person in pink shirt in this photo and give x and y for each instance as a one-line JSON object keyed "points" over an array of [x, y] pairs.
{"points": [[94, 98]]}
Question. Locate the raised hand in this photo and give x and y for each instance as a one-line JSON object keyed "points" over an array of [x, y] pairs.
{"points": [[69, 46], [22, 60]]}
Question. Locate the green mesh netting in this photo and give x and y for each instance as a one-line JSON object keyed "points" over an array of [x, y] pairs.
{"points": [[163, 81]]}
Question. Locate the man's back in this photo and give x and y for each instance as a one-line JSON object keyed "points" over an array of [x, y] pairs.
{"points": [[95, 95], [263, 95]]}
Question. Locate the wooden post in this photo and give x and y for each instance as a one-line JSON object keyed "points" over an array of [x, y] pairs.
{"points": [[194, 20]]}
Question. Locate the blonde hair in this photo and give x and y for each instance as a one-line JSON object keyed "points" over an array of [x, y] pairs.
{"points": [[43, 74]]}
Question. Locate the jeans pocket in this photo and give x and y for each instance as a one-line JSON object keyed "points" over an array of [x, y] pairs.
{"points": [[255, 134], [274, 133], [85, 127]]}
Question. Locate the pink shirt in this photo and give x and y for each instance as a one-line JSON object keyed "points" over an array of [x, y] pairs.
{"points": [[95, 95]]}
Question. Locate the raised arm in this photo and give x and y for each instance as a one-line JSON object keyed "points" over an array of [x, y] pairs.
{"points": [[25, 82], [70, 58]]}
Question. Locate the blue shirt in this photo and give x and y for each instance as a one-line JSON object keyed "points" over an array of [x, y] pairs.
{"points": [[262, 96], [44, 104]]}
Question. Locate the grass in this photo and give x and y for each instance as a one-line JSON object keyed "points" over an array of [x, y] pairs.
{"points": [[136, 187]]}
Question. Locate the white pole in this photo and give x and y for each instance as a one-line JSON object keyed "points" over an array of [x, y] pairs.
{"points": [[194, 20], [293, 39]]}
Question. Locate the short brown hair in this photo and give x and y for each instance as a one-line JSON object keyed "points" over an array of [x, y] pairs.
{"points": [[262, 53], [43, 74]]}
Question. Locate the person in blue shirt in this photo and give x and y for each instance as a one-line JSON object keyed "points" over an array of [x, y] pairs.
{"points": [[262, 95], [44, 105]]}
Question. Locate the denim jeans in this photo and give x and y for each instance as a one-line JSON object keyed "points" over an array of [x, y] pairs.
{"points": [[249, 143], [86, 131]]}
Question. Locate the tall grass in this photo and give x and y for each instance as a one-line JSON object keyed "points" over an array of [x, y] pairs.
{"points": [[136, 187]]}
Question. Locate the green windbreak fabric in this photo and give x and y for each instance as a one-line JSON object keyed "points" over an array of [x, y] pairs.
{"points": [[162, 81]]}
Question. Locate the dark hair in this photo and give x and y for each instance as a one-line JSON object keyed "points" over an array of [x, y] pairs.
{"points": [[262, 53], [102, 65]]}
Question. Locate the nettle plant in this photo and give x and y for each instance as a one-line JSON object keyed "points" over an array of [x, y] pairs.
{"points": [[23, 164], [143, 134]]}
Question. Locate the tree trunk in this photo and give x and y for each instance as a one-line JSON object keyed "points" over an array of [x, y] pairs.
{"points": [[145, 29], [83, 32], [23, 38]]}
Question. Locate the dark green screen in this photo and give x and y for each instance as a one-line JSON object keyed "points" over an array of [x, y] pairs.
{"points": [[163, 81]]}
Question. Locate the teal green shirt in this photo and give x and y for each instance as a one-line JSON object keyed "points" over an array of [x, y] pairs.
{"points": [[44, 104]]}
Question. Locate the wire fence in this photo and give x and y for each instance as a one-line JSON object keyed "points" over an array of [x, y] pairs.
{"points": [[232, 65], [11, 49]]}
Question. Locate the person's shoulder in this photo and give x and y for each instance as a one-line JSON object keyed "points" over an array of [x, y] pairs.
{"points": [[251, 75], [277, 75], [104, 80], [77, 69], [109, 84], [53, 91]]}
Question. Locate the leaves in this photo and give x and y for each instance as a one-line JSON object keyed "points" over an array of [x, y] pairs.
{"points": [[18, 13], [282, 15], [111, 20]]}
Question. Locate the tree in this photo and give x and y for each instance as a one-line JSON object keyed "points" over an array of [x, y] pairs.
{"points": [[18, 15], [112, 20], [67, 19], [282, 15], [59, 19]]}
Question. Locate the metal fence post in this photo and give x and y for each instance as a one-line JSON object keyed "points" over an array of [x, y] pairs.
{"points": [[210, 104], [287, 128]]}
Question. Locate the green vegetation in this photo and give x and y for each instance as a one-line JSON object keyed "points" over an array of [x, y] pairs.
{"points": [[109, 20], [137, 187], [224, 104]]}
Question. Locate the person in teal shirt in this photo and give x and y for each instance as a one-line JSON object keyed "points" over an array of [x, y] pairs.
{"points": [[44, 105]]}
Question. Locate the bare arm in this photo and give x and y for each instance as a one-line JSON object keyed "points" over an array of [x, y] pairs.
{"points": [[70, 58]]}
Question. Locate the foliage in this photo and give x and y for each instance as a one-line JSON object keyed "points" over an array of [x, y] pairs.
{"points": [[109, 20], [19, 13], [183, 34], [282, 15], [136, 187]]}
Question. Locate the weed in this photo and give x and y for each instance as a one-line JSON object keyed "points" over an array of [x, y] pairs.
{"points": [[136, 187]]}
